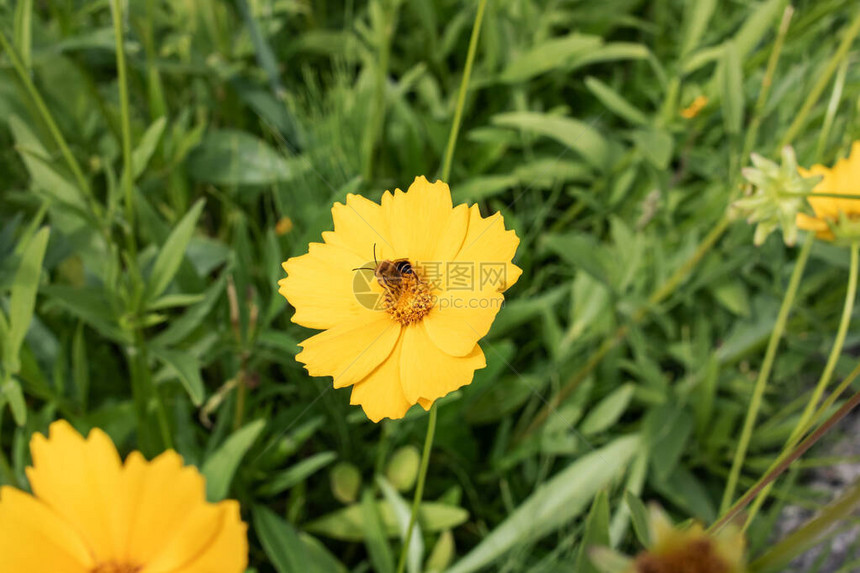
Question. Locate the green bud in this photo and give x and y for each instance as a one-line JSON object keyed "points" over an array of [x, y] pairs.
{"points": [[402, 470], [345, 482], [442, 553]]}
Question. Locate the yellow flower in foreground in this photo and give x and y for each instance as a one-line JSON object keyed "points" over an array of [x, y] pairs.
{"points": [[90, 513], [678, 550], [403, 291], [833, 213]]}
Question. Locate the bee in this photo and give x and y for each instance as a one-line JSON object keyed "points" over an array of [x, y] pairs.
{"points": [[390, 274]]}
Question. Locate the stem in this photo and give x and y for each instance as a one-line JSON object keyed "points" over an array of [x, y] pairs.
{"points": [[821, 84], [419, 489], [806, 418], [24, 76], [764, 373], [809, 534], [658, 296], [783, 462], [767, 82], [464, 87], [377, 118]]}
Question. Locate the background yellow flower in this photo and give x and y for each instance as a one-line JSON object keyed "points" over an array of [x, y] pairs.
{"points": [[842, 178], [417, 340], [90, 513]]}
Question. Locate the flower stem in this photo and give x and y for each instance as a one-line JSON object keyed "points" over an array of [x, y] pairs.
{"points": [[764, 373], [810, 533], [419, 488], [464, 87], [823, 80], [783, 462], [806, 419]]}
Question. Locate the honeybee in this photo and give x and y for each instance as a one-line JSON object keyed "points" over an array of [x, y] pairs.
{"points": [[390, 274]]}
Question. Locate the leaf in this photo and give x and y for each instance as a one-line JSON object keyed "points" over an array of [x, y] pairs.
{"points": [[639, 517], [192, 318], [285, 547], [575, 134], [146, 147], [580, 251], [615, 102], [608, 410], [347, 524], [655, 145], [485, 186], [553, 504], [402, 514], [231, 157], [297, 473], [218, 469], [668, 428], [611, 52], [88, 304], [375, 539], [186, 367], [12, 393], [596, 532], [696, 18], [172, 253], [730, 77], [23, 299], [549, 55]]}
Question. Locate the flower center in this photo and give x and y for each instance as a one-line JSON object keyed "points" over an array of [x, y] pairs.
{"points": [[407, 300], [693, 557], [114, 567]]}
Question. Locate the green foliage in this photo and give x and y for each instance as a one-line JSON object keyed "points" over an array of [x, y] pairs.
{"points": [[243, 114]]}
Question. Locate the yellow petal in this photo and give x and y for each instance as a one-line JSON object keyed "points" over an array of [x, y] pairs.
{"points": [[164, 497], [34, 539], [424, 225], [227, 549], [358, 225], [349, 351], [821, 228], [80, 480], [430, 373], [381, 393], [490, 248], [322, 286], [460, 318]]}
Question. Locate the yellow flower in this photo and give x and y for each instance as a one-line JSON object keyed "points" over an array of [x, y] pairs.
{"points": [[90, 513], [687, 549], [832, 212], [284, 226], [696, 106], [403, 291]]}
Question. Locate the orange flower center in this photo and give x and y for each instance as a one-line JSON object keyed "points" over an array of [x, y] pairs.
{"points": [[694, 557], [114, 567], [407, 300]]}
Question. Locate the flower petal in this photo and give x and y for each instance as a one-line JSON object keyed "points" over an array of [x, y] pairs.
{"points": [[381, 393], [490, 247], [425, 227], [35, 539], [227, 551], [349, 351], [430, 373], [165, 499], [459, 319], [358, 225], [324, 288], [80, 480]]}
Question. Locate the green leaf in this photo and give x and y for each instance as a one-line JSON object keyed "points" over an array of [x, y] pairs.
{"points": [[231, 157], [608, 410], [88, 304], [172, 253], [375, 538], [730, 76], [297, 473], [696, 18], [577, 135], [655, 145], [615, 102], [596, 532], [218, 469], [184, 366], [181, 327], [285, 547], [23, 299], [549, 55], [611, 52], [553, 504], [639, 517], [403, 514], [146, 147], [12, 393], [668, 428]]}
